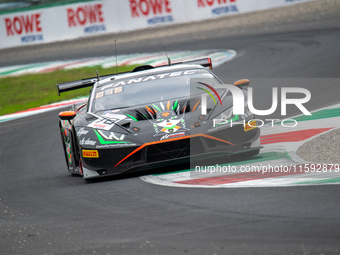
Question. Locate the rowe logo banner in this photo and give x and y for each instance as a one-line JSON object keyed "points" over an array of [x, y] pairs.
{"points": [[219, 7], [149, 8], [90, 17], [83, 15], [203, 3], [27, 26]]}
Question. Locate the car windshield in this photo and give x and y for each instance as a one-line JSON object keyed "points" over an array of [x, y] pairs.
{"points": [[150, 89]]}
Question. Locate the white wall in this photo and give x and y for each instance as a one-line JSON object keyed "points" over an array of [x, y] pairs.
{"points": [[112, 16]]}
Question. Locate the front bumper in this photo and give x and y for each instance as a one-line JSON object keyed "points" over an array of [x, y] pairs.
{"points": [[224, 142]]}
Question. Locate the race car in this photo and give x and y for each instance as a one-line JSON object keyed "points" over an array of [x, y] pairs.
{"points": [[153, 117]]}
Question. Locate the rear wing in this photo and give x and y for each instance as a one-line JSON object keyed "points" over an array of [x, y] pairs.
{"points": [[205, 62], [72, 85], [89, 82]]}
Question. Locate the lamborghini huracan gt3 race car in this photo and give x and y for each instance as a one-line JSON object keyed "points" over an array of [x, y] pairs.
{"points": [[152, 117]]}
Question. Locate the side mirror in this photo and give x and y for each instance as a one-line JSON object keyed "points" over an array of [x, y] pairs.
{"points": [[67, 115]]}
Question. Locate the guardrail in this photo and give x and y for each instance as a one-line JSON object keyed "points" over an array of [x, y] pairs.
{"points": [[90, 18]]}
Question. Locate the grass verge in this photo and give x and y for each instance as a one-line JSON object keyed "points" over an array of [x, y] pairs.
{"points": [[23, 92]]}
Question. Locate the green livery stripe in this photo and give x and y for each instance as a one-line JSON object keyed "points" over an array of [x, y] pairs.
{"points": [[168, 128], [236, 117], [156, 107], [131, 117], [175, 105], [102, 141]]}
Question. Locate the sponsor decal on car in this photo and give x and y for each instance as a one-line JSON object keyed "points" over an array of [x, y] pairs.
{"points": [[250, 125], [101, 125], [87, 141], [90, 154], [112, 136], [148, 78], [82, 131], [116, 145], [107, 122], [170, 136]]}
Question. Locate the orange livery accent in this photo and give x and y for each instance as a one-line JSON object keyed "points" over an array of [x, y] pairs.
{"points": [[196, 105], [171, 140], [242, 82], [67, 115], [165, 114], [149, 110]]}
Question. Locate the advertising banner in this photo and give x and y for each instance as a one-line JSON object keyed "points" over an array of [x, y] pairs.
{"points": [[139, 14], [22, 28], [58, 23], [210, 9], [73, 21]]}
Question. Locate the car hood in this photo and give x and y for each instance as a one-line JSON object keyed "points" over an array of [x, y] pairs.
{"points": [[156, 121]]}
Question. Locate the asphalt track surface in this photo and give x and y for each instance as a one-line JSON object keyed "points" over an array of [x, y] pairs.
{"points": [[44, 210]]}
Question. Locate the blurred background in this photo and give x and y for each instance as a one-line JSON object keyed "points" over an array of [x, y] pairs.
{"points": [[12, 5]]}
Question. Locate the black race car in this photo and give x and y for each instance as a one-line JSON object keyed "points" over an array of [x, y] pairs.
{"points": [[154, 116]]}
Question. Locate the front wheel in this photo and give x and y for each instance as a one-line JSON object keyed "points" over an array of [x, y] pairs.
{"points": [[69, 150]]}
